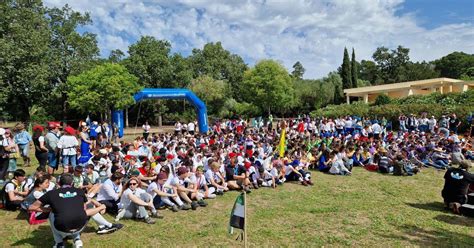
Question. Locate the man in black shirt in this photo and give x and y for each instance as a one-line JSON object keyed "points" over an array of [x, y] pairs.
{"points": [[454, 123], [67, 205], [456, 183]]}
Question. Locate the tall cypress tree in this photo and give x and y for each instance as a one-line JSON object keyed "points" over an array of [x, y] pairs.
{"points": [[354, 70], [346, 71]]}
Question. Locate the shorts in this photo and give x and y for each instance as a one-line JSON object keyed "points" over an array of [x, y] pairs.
{"points": [[52, 160], [70, 160], [24, 150]]}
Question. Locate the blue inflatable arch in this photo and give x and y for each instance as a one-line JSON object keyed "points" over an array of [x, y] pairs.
{"points": [[147, 93]]}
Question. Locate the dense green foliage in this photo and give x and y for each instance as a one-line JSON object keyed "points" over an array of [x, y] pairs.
{"points": [[101, 89], [41, 49]]}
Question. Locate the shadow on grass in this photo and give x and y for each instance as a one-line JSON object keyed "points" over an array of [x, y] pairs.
{"points": [[432, 206], [427, 238], [43, 237], [455, 220]]}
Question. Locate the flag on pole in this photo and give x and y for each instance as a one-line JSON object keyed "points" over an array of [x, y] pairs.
{"points": [[237, 216], [282, 142]]}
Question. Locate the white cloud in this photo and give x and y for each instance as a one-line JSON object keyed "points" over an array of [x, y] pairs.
{"points": [[312, 32]]}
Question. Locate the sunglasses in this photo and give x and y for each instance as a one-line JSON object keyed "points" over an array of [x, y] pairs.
{"points": [[133, 183]]}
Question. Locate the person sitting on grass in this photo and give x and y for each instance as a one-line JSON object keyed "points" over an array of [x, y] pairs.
{"points": [[110, 193], [40, 187], [200, 184], [68, 211], [456, 184], [337, 166], [215, 179], [439, 158], [384, 162], [135, 201], [403, 167], [325, 161], [236, 175], [15, 191], [295, 172], [185, 192], [162, 195]]}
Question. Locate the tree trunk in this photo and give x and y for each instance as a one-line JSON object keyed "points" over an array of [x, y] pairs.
{"points": [[126, 117]]}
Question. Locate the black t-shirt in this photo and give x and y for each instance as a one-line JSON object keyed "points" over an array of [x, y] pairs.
{"points": [[230, 171], [67, 205], [456, 184], [453, 123]]}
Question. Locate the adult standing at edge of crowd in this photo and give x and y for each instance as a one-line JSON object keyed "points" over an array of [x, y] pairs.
{"points": [[51, 142], [23, 140], [146, 130], [3, 156], [41, 152]]}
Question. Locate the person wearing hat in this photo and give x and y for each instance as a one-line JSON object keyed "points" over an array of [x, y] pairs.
{"points": [[163, 194], [68, 144], [51, 143], [185, 192], [456, 184], [41, 152], [23, 140]]}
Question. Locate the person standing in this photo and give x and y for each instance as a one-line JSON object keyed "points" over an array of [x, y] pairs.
{"points": [[68, 144], [68, 215], [12, 152], [454, 123], [146, 130], [85, 146], [41, 152], [191, 127], [51, 143], [23, 140]]}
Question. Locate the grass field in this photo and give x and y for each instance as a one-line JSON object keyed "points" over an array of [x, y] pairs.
{"points": [[364, 210]]}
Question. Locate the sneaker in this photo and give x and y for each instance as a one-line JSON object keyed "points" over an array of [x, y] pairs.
{"points": [[157, 215], [59, 245], [174, 208], [304, 183], [219, 193], [202, 203], [149, 220], [310, 183], [111, 229], [185, 207], [255, 186], [194, 205], [78, 243]]}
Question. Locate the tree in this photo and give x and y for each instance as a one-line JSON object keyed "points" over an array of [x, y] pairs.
{"points": [[101, 89], [368, 72], [211, 91], [213, 60], [24, 40], [346, 71], [354, 70], [149, 61], [333, 84], [298, 70], [454, 65], [70, 53], [392, 64], [116, 56], [269, 86]]}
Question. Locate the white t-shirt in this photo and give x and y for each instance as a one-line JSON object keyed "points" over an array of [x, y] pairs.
{"points": [[152, 187], [191, 126], [146, 128], [125, 199], [200, 181], [68, 144]]}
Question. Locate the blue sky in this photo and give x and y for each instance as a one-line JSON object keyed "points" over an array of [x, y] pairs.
{"points": [[312, 32]]}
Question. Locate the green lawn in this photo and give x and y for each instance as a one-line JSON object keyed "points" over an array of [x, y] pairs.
{"points": [[364, 210]]}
